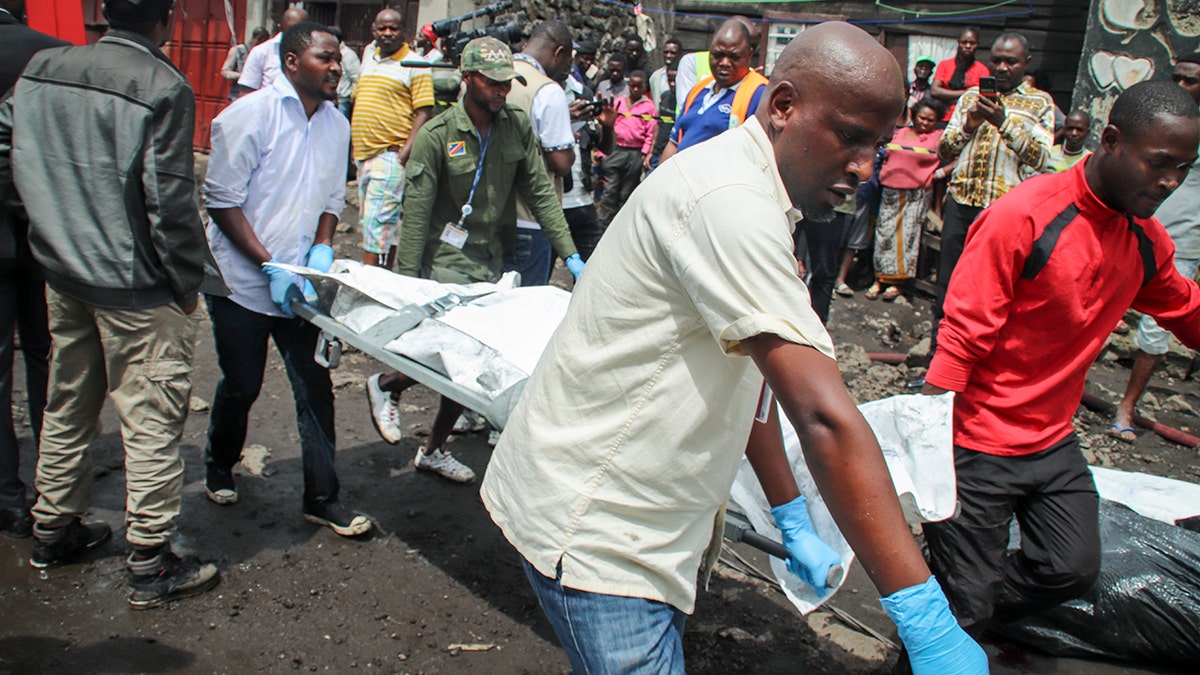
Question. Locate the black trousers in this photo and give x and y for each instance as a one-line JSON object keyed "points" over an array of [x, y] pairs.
{"points": [[957, 222], [1054, 499], [824, 241], [23, 309], [241, 337], [586, 228]]}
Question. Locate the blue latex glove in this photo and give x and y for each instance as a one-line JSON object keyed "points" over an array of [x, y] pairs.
{"points": [[283, 289], [936, 644], [575, 265], [320, 257], [809, 557]]}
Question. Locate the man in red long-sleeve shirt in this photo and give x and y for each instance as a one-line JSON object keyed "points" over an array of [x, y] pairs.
{"points": [[1047, 271]]}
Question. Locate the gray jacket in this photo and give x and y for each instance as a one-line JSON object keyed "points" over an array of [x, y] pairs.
{"points": [[101, 155]]}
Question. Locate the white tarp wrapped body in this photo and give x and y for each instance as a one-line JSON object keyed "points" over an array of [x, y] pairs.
{"points": [[1163, 499], [489, 345], [914, 432]]}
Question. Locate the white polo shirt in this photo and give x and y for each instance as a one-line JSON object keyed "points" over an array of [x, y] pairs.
{"points": [[631, 428]]}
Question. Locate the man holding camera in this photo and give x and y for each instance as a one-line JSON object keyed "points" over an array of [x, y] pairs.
{"points": [[1001, 133]]}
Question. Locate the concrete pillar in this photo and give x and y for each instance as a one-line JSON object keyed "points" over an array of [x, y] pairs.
{"points": [[258, 13]]}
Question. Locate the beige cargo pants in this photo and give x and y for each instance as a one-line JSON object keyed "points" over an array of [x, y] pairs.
{"points": [[143, 360]]}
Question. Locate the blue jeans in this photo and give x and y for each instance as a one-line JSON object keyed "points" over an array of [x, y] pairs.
{"points": [[241, 340], [604, 634], [533, 257]]}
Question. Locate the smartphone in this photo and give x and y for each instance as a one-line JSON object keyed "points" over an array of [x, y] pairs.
{"points": [[987, 87]]}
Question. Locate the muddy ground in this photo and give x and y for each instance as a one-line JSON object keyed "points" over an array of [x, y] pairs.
{"points": [[435, 588]]}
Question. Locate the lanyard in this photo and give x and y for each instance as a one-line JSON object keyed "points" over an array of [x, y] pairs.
{"points": [[483, 145]]}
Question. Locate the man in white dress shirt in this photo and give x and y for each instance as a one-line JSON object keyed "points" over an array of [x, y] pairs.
{"points": [[275, 188], [263, 63]]}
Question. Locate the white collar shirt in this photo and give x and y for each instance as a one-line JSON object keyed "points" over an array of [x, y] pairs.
{"points": [[262, 65], [626, 440], [284, 170]]}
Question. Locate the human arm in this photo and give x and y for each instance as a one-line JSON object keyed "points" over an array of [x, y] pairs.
{"points": [[810, 558], [843, 456], [956, 136], [939, 84], [991, 265], [847, 465], [252, 69], [1030, 140], [550, 114], [534, 187], [351, 66], [169, 186], [939, 90], [1169, 297], [420, 117], [229, 70], [420, 191], [668, 152], [649, 129]]}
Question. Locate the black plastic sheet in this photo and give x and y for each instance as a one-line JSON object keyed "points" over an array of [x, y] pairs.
{"points": [[1145, 606]]}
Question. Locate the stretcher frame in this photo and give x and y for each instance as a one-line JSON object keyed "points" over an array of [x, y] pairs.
{"points": [[372, 341]]}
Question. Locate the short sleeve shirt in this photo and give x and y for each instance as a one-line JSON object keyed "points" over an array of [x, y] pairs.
{"points": [[386, 99], [626, 440]]}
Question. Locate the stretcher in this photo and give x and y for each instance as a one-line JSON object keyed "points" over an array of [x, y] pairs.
{"points": [[912, 429]]}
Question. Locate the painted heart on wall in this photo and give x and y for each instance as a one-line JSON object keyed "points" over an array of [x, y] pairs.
{"points": [[1108, 69]]}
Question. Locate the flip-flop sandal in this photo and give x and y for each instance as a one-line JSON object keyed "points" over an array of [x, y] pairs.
{"points": [[844, 291], [1118, 432], [872, 292], [890, 294], [1121, 328]]}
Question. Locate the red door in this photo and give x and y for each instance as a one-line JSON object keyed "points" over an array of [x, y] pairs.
{"points": [[60, 18], [199, 43], [198, 46]]}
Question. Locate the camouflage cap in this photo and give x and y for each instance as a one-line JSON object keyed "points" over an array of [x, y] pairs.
{"points": [[492, 58]]}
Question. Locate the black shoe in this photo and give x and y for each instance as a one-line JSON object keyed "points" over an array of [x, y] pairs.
{"points": [[168, 577], [77, 539], [337, 518], [917, 384], [15, 522], [219, 486]]}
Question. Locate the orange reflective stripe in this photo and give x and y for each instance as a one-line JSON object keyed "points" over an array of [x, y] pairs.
{"points": [[745, 94]]}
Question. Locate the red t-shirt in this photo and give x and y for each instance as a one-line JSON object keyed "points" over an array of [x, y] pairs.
{"points": [[1018, 349], [945, 71], [911, 169]]}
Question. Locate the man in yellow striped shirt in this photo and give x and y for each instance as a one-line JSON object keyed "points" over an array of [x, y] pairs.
{"points": [[391, 102]]}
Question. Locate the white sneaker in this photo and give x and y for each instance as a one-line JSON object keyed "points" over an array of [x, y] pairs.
{"points": [[493, 437], [443, 464], [385, 411], [469, 422]]}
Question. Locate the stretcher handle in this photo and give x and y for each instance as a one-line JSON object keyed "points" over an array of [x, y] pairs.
{"points": [[776, 549]]}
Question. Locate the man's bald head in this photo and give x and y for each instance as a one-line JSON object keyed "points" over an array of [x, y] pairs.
{"points": [[838, 56], [388, 31], [292, 17], [388, 15], [729, 53], [833, 96]]}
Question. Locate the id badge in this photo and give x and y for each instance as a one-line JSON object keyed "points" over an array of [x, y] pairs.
{"points": [[454, 235]]}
